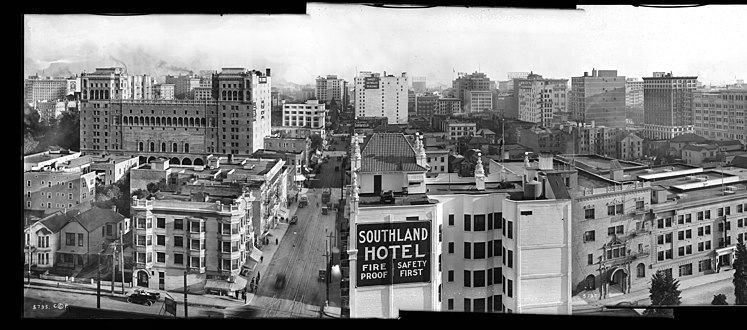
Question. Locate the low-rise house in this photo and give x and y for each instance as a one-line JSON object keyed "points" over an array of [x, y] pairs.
{"points": [[88, 234], [43, 238]]}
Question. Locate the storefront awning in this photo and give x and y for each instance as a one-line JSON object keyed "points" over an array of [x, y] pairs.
{"points": [[726, 250], [248, 268], [256, 254], [239, 283], [282, 212]]}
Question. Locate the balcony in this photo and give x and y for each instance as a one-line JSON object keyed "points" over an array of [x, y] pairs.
{"points": [[196, 270]]}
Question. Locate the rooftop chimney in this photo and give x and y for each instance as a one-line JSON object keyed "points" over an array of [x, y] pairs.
{"points": [[479, 173]]}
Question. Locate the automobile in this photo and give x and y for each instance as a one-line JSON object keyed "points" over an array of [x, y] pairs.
{"points": [[293, 220], [143, 297], [322, 274], [280, 281], [387, 197]]}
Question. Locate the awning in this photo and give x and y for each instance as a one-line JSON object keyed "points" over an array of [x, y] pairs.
{"points": [[300, 177], [726, 250], [256, 254], [248, 268], [282, 212], [239, 283]]}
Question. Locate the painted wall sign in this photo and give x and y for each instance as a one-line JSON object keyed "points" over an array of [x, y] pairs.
{"points": [[393, 253]]}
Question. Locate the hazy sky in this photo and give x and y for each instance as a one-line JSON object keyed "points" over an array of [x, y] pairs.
{"points": [[705, 41]]}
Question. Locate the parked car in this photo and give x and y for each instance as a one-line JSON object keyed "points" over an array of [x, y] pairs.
{"points": [[293, 220], [280, 281], [387, 197], [143, 297]]}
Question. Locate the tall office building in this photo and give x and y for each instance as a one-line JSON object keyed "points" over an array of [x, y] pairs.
{"points": [[331, 88], [183, 84], [418, 84], [667, 105], [477, 81], [634, 100], [141, 87], [382, 96], [721, 115], [537, 99], [599, 98], [49, 89]]}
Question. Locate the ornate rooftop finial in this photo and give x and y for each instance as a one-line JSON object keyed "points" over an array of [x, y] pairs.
{"points": [[354, 184], [479, 170]]}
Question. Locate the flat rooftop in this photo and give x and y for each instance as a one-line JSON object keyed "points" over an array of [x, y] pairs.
{"points": [[634, 173], [714, 192], [596, 163], [452, 189]]}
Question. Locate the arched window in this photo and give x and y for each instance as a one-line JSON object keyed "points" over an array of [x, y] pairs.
{"points": [[158, 121], [186, 147], [140, 146], [202, 122], [198, 161], [223, 95], [173, 147], [590, 282], [174, 161], [186, 161], [235, 95], [142, 120], [124, 120], [168, 121], [147, 120], [106, 95], [163, 146], [137, 122], [180, 123], [640, 270], [152, 147], [191, 122]]}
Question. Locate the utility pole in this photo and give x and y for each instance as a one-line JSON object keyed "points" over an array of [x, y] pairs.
{"points": [[114, 269], [186, 314], [28, 247], [121, 255], [98, 281]]}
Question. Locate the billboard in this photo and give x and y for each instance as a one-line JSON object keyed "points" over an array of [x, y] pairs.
{"points": [[371, 82], [393, 253]]}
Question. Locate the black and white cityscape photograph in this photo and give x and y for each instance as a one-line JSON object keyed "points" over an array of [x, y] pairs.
{"points": [[365, 161]]}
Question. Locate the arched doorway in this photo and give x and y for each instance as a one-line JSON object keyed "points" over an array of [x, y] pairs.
{"points": [[142, 278], [186, 161], [199, 161], [618, 280], [151, 158], [591, 282], [142, 159], [174, 161]]}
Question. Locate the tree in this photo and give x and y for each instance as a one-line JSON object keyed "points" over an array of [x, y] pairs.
{"points": [[740, 274], [316, 142], [664, 292], [719, 299]]}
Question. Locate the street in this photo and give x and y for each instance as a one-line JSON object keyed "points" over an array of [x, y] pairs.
{"points": [[42, 303], [299, 258]]}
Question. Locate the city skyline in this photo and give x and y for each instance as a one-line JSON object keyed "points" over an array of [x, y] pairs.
{"points": [[424, 42]]}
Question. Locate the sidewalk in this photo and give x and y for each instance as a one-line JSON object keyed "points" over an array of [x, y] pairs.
{"points": [[643, 294], [268, 251]]}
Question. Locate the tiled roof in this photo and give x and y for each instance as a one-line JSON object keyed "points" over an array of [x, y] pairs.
{"points": [[388, 152], [740, 161], [728, 143], [97, 217], [699, 147]]}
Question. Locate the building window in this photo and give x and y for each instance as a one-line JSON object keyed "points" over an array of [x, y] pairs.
{"points": [[467, 222], [178, 224], [640, 270], [80, 239], [510, 229], [479, 222], [510, 287], [178, 241], [161, 240], [451, 219], [467, 279], [639, 205], [451, 304], [451, 247], [451, 276], [479, 250], [467, 305], [160, 257], [161, 223], [589, 236], [178, 259], [467, 250], [510, 258], [686, 270], [590, 259], [70, 239]]}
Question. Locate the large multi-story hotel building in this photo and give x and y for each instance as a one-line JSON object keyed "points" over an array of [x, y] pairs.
{"points": [[478, 101], [599, 98], [234, 122], [379, 95], [667, 104], [49, 89], [476, 81], [721, 115], [457, 243]]}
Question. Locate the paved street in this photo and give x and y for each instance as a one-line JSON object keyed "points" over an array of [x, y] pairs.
{"points": [[300, 256], [703, 294], [46, 303]]}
